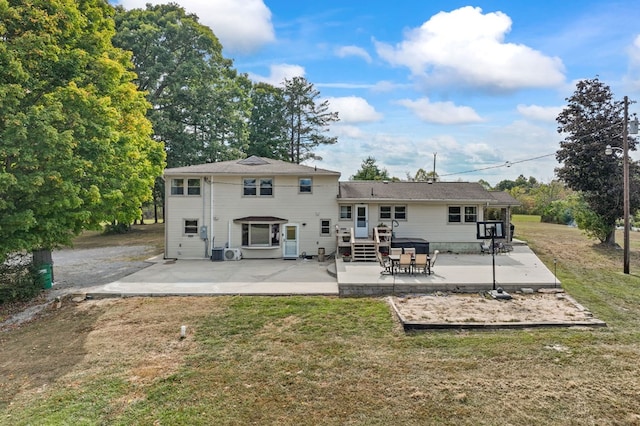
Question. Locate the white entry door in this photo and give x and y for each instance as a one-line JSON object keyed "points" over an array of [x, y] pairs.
{"points": [[290, 241], [362, 221]]}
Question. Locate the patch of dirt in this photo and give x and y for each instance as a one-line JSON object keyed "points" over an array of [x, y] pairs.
{"points": [[440, 308], [137, 339]]}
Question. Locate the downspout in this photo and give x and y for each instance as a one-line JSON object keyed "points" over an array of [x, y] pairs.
{"points": [[204, 220], [211, 211], [164, 217]]}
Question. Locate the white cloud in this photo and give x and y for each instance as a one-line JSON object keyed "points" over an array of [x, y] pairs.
{"points": [[539, 113], [387, 86], [441, 112], [634, 51], [344, 51], [354, 109], [347, 131], [631, 78], [466, 47], [241, 26], [278, 72]]}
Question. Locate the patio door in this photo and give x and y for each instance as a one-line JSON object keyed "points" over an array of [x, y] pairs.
{"points": [[291, 242], [362, 221]]}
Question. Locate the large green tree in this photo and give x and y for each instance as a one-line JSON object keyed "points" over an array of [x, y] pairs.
{"points": [[268, 124], [75, 146], [201, 105], [308, 118], [592, 120]]}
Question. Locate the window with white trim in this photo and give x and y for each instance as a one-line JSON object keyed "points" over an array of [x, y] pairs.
{"points": [[345, 213], [190, 226], [257, 187], [325, 227], [463, 214], [305, 185], [178, 187], [455, 214], [470, 214], [193, 186], [393, 212], [260, 234]]}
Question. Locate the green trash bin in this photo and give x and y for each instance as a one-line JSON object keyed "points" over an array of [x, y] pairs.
{"points": [[46, 274]]}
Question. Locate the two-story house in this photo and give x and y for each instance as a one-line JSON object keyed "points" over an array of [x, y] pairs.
{"points": [[264, 208], [261, 207]]}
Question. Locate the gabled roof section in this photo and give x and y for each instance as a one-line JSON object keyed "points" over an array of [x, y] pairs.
{"points": [[503, 198], [260, 166], [414, 191]]}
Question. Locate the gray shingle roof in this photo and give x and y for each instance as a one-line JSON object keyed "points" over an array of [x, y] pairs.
{"points": [[503, 198], [415, 191], [250, 166]]}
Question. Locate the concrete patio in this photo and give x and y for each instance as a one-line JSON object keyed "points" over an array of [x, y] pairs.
{"points": [[515, 270]]}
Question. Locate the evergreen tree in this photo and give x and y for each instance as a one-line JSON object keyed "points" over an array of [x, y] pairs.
{"points": [[307, 119], [369, 170]]}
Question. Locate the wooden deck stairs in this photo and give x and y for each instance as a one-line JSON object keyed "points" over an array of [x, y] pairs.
{"points": [[363, 249]]}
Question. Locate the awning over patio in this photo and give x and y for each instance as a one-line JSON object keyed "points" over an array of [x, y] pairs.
{"points": [[260, 219]]}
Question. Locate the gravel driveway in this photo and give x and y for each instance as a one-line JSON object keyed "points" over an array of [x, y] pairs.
{"points": [[77, 269]]}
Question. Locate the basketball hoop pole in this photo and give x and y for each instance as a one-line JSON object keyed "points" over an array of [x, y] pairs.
{"points": [[493, 254]]}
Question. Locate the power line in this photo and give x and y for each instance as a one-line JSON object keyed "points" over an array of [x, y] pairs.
{"points": [[505, 164]]}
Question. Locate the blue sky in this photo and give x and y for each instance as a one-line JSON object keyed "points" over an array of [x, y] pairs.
{"points": [[477, 85]]}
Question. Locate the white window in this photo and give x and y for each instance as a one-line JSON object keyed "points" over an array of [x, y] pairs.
{"points": [[190, 226], [393, 212], [470, 214], [262, 187], [193, 186], [345, 213], [177, 186], [305, 185], [325, 227], [460, 214], [385, 212], [260, 234], [455, 215]]}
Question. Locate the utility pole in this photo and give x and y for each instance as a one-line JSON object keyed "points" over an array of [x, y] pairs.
{"points": [[625, 177]]}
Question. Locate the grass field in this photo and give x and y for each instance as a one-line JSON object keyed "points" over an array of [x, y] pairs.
{"points": [[330, 361]]}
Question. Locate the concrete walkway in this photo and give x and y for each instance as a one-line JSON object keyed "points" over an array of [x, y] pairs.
{"points": [[464, 272]]}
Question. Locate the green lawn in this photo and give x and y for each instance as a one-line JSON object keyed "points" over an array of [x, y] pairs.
{"points": [[323, 360]]}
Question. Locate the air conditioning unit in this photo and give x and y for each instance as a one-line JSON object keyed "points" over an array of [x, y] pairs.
{"points": [[232, 254]]}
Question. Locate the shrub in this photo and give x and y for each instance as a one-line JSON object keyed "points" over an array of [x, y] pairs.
{"points": [[19, 279]]}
